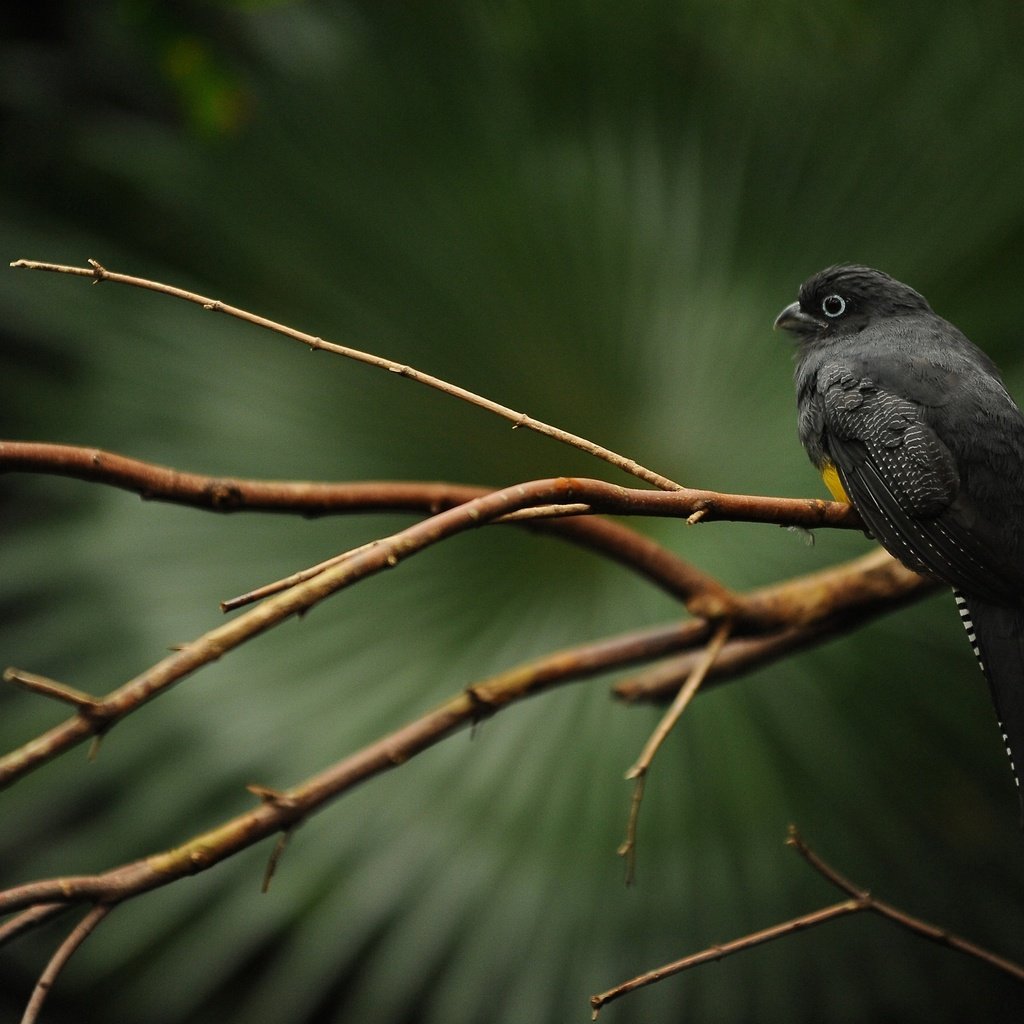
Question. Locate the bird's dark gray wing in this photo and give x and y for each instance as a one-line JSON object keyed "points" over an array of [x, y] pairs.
{"points": [[903, 480]]}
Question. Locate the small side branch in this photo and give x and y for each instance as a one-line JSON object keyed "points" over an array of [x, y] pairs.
{"points": [[29, 919], [638, 773], [686, 694], [52, 689], [65, 951]]}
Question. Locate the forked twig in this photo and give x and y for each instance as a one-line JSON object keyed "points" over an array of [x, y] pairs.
{"points": [[859, 900], [924, 929]]}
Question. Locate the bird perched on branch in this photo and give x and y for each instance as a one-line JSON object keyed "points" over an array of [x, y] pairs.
{"points": [[911, 422]]}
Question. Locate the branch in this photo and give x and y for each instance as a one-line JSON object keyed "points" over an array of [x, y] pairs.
{"points": [[638, 773], [367, 561], [29, 919], [800, 611], [97, 273], [282, 811], [721, 951], [914, 925], [65, 951], [805, 611], [230, 494], [860, 900]]}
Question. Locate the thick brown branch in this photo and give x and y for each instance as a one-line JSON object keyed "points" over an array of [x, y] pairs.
{"points": [[226, 494], [289, 807], [230, 494], [819, 606], [286, 808], [866, 587], [363, 563]]}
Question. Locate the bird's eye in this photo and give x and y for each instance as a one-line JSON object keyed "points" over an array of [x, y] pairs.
{"points": [[833, 306]]}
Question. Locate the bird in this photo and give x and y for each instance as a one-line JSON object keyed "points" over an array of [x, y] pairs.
{"points": [[911, 423]]}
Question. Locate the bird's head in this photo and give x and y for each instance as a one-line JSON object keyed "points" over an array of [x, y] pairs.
{"points": [[842, 300]]}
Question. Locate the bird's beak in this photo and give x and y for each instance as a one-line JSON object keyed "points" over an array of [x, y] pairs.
{"points": [[795, 320]]}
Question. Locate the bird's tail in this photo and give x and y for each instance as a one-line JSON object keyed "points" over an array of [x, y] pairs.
{"points": [[996, 633]]}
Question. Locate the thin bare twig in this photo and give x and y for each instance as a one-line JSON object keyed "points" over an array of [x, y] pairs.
{"points": [[29, 919], [65, 951], [722, 950], [686, 694], [96, 272], [287, 582], [859, 900], [922, 929], [51, 688], [638, 773]]}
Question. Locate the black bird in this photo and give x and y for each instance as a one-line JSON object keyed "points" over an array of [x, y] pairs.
{"points": [[911, 422]]}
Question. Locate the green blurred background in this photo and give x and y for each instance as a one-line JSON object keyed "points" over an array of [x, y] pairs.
{"points": [[590, 211]]}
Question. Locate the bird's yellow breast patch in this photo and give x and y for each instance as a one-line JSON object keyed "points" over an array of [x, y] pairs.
{"points": [[830, 475]]}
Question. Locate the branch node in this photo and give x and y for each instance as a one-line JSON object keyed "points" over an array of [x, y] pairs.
{"points": [[99, 272], [482, 705]]}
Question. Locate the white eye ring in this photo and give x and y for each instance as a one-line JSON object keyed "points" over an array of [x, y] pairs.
{"points": [[833, 306]]}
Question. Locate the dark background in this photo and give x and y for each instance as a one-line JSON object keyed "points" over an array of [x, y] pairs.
{"points": [[590, 211]]}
